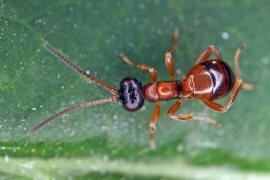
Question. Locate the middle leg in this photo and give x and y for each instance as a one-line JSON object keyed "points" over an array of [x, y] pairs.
{"points": [[176, 106], [168, 55]]}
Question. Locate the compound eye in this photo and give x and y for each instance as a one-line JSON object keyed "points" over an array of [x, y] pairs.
{"points": [[130, 94]]}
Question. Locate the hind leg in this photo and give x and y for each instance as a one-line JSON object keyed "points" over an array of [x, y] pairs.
{"points": [[236, 87], [207, 52]]}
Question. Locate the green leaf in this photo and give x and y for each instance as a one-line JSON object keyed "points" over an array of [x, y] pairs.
{"points": [[105, 141]]}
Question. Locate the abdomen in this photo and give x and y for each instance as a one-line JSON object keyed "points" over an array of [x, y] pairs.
{"points": [[211, 79]]}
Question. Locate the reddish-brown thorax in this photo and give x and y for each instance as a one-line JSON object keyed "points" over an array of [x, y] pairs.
{"points": [[164, 90]]}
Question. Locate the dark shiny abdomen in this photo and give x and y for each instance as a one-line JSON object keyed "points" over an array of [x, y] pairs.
{"points": [[222, 77]]}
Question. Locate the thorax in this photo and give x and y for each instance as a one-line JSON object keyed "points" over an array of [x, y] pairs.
{"points": [[163, 90]]}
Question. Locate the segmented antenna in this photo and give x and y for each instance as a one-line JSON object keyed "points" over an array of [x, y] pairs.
{"points": [[61, 113], [76, 68], [86, 104]]}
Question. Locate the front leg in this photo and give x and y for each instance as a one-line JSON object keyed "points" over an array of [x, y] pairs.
{"points": [[152, 71], [152, 125], [176, 106]]}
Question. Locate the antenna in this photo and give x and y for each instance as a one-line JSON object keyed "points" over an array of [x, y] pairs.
{"points": [[86, 104], [65, 111], [76, 68]]}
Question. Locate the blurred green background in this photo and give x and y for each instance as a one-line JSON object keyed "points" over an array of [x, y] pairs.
{"points": [[105, 141]]}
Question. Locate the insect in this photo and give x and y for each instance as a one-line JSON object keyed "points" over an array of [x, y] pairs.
{"points": [[208, 80]]}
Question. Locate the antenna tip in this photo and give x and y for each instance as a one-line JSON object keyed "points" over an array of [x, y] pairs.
{"points": [[45, 43], [30, 132]]}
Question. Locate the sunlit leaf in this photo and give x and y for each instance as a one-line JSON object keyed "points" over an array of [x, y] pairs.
{"points": [[105, 141]]}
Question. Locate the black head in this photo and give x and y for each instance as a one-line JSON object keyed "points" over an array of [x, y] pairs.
{"points": [[130, 94]]}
